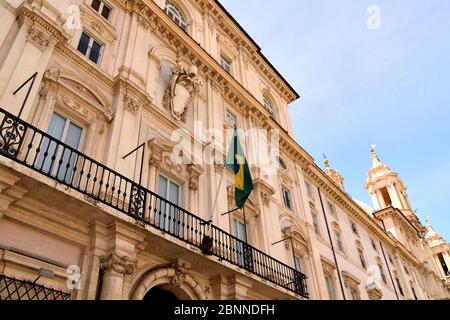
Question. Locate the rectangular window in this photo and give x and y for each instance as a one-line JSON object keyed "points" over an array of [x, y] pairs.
{"points": [[339, 242], [399, 286], [287, 198], [168, 216], [374, 245], [226, 64], [383, 275], [316, 224], [64, 130], [90, 48], [329, 283], [298, 263], [239, 231], [308, 190], [354, 228], [332, 208], [354, 295], [102, 8], [231, 119], [362, 259], [414, 293]]}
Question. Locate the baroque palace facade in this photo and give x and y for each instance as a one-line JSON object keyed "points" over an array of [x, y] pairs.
{"points": [[94, 205]]}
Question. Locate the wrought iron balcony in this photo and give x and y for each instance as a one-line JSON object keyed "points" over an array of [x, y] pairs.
{"points": [[41, 152]]}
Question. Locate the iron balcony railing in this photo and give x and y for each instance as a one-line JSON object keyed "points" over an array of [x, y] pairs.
{"points": [[39, 151], [14, 289]]}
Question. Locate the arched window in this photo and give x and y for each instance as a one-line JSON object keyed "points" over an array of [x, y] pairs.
{"points": [[269, 105], [176, 15]]}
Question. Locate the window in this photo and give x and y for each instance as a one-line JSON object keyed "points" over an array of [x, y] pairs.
{"points": [[354, 294], [390, 259], [282, 164], [226, 64], [67, 132], [231, 119], [361, 255], [298, 263], [406, 270], [239, 231], [374, 245], [176, 15], [399, 285], [102, 8], [308, 190], [90, 48], [268, 105], [316, 224], [383, 275], [339, 241], [287, 200], [168, 216], [386, 197], [329, 284], [354, 228], [362, 258], [332, 208], [414, 293]]}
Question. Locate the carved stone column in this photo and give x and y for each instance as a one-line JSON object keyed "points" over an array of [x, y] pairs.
{"points": [[115, 269]]}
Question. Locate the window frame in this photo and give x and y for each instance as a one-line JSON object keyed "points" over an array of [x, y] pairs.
{"points": [[88, 53], [229, 115], [269, 105], [330, 287], [332, 208], [174, 11], [309, 192], [226, 64], [101, 7], [316, 223], [340, 243], [354, 227], [67, 121], [288, 203]]}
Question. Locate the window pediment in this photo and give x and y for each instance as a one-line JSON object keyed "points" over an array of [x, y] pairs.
{"points": [[96, 25]]}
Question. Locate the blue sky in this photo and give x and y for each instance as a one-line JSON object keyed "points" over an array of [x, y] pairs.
{"points": [[388, 86]]}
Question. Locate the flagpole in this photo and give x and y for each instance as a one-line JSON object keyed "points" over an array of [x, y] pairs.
{"points": [[245, 225], [214, 208]]}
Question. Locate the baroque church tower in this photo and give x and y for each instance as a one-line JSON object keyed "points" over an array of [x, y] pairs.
{"points": [[387, 189]]}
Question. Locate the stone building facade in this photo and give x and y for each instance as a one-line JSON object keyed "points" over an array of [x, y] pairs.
{"points": [[113, 184]]}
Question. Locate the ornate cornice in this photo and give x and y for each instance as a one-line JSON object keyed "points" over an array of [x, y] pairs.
{"points": [[42, 30], [252, 52]]}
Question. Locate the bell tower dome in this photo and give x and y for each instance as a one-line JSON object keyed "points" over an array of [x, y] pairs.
{"points": [[387, 189]]}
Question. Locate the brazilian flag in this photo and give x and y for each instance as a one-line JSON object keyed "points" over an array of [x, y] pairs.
{"points": [[237, 163]]}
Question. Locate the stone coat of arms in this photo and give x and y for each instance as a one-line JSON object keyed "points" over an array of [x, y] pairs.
{"points": [[183, 88]]}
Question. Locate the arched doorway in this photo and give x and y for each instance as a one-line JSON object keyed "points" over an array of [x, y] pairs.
{"points": [[159, 295], [167, 284]]}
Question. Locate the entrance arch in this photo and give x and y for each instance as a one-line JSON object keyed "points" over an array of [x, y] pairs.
{"points": [[167, 283], [160, 295]]}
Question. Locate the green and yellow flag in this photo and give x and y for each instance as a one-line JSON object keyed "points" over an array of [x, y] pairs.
{"points": [[237, 163]]}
